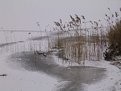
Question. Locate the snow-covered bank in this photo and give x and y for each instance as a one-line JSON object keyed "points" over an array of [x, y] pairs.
{"points": [[31, 77], [19, 79], [74, 76], [112, 82], [22, 80]]}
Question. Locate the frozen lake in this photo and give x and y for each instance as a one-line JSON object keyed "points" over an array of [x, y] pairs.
{"points": [[62, 73]]}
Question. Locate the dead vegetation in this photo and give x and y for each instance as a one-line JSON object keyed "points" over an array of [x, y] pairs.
{"points": [[114, 35]]}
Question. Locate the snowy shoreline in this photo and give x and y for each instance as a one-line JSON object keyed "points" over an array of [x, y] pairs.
{"points": [[24, 80], [20, 79]]}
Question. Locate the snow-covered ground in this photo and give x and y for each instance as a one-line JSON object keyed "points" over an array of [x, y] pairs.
{"points": [[112, 82], [20, 79]]}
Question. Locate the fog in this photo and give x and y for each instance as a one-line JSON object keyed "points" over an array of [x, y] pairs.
{"points": [[23, 14]]}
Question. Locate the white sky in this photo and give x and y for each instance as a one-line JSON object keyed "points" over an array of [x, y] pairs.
{"points": [[23, 14]]}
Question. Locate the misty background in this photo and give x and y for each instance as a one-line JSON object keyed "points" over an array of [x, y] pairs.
{"points": [[23, 14]]}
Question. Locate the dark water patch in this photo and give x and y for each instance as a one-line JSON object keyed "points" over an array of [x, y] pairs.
{"points": [[33, 62], [39, 38], [71, 86], [75, 75], [20, 41], [6, 44], [11, 43]]}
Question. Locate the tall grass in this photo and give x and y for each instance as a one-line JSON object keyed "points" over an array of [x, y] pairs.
{"points": [[114, 35], [83, 43]]}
